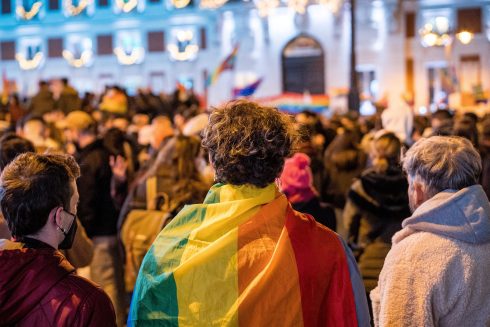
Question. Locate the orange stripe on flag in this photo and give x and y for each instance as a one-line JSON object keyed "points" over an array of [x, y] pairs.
{"points": [[268, 283]]}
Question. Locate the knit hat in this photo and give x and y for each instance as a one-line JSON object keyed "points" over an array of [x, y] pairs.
{"points": [[297, 176]]}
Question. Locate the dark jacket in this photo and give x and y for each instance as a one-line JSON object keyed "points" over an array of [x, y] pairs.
{"points": [[377, 204], [96, 208], [69, 100], [38, 287], [485, 174], [42, 103]]}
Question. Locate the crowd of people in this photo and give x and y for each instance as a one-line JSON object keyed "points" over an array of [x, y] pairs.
{"points": [[169, 213]]}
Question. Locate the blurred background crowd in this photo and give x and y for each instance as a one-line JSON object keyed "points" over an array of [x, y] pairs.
{"points": [[141, 156]]}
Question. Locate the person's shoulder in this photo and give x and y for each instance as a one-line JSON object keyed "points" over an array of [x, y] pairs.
{"points": [[305, 226], [81, 300], [88, 293], [423, 250]]}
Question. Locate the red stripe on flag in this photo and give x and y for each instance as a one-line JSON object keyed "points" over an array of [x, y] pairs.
{"points": [[326, 293]]}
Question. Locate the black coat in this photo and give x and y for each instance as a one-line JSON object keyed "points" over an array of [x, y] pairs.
{"points": [[382, 201], [96, 208]]}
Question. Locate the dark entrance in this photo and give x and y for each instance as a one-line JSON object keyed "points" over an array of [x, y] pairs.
{"points": [[303, 66]]}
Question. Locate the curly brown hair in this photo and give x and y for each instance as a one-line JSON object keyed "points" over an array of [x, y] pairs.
{"points": [[248, 143]]}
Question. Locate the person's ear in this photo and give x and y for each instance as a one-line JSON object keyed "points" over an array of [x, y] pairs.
{"points": [[419, 192], [57, 215]]}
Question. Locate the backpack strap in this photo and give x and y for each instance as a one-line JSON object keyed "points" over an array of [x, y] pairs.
{"points": [[151, 192]]}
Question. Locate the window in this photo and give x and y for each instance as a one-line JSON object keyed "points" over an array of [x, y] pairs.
{"points": [[55, 47], [470, 19], [103, 3], [156, 41], [409, 25], [7, 50], [6, 7], [442, 82], [54, 5], [104, 44], [203, 38]]}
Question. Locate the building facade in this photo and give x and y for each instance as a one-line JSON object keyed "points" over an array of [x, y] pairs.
{"points": [[404, 48]]}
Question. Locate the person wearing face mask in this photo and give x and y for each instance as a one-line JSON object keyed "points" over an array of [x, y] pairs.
{"points": [[82, 251], [38, 286]]}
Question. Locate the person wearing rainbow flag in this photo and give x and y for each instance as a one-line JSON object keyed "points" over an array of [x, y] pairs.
{"points": [[244, 257]]}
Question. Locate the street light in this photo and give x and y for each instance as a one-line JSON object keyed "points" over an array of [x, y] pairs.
{"points": [[438, 33]]}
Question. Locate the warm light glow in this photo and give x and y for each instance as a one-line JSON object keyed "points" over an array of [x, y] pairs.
{"points": [[265, 7], [180, 3], [332, 5], [189, 52], [83, 61], [298, 6], [76, 10], [212, 4], [465, 37], [442, 24], [126, 6], [28, 15], [26, 64], [429, 39], [135, 57], [436, 35]]}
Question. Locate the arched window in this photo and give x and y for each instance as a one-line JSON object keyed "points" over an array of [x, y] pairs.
{"points": [[303, 66]]}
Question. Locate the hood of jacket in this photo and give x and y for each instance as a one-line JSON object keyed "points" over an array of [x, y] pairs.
{"points": [[26, 276], [463, 215], [388, 189]]}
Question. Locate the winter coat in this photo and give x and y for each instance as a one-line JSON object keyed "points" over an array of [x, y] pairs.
{"points": [[340, 171], [38, 287], [485, 159], [96, 209], [436, 273], [42, 103], [69, 100], [376, 206]]}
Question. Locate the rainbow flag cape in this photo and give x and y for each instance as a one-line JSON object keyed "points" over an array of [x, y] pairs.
{"points": [[245, 258], [227, 64], [248, 90]]}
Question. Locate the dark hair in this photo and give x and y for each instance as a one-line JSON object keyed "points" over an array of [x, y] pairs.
{"points": [[11, 145], [385, 152], [343, 152], [467, 129], [31, 186], [248, 143], [442, 114], [113, 141]]}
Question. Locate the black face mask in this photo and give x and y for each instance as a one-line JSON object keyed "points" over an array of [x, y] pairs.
{"points": [[69, 235]]}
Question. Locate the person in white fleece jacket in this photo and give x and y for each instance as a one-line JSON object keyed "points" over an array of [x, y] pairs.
{"points": [[437, 271]]}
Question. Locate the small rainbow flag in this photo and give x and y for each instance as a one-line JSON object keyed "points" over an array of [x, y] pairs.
{"points": [[245, 258], [247, 90], [227, 64]]}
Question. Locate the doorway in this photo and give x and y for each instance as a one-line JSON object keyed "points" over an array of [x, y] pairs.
{"points": [[303, 66]]}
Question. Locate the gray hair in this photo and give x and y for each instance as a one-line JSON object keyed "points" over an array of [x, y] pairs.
{"points": [[443, 162]]}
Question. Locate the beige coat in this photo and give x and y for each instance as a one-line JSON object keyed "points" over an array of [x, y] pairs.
{"points": [[437, 271]]}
